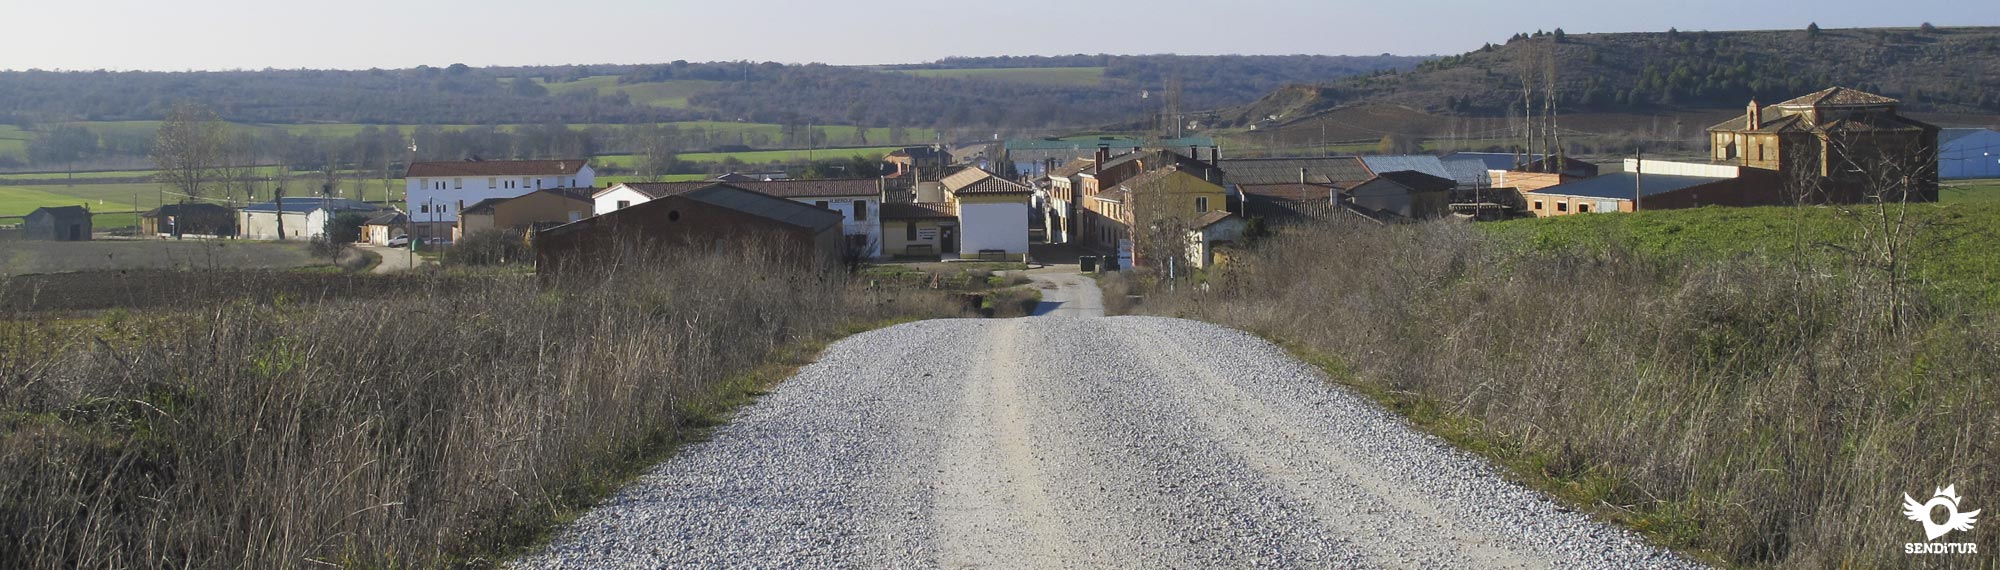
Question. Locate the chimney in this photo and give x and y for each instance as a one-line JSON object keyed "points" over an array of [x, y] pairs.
{"points": [[1302, 176], [1194, 152], [1756, 116], [1215, 155], [1098, 166]]}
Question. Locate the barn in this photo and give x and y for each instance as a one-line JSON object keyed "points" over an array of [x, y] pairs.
{"points": [[719, 216]]}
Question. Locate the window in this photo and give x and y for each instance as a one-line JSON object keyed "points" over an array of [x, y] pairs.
{"points": [[1583, 208], [524, 183], [1538, 205], [910, 231], [1201, 204], [860, 210], [423, 208], [458, 183], [1760, 151], [822, 204], [623, 204], [492, 183], [1562, 206]]}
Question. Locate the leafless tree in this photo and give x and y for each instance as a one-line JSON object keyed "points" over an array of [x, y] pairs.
{"points": [[188, 149]]}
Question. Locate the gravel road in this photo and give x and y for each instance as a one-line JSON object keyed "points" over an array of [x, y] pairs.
{"points": [[1133, 442], [1067, 294]]}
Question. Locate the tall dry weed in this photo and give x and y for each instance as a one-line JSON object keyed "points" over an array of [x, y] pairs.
{"points": [[1763, 412], [436, 426]]}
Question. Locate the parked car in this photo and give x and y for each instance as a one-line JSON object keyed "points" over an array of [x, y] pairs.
{"points": [[399, 241]]}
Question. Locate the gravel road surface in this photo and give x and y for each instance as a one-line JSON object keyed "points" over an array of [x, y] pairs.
{"points": [[1067, 294], [1131, 442]]}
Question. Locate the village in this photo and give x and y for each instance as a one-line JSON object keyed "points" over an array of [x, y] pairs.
{"points": [[1106, 203]]}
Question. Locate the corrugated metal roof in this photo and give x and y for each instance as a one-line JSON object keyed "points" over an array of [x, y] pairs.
{"points": [[1949, 135], [1468, 172], [300, 204], [1319, 170], [1494, 160], [765, 206], [1424, 163], [1621, 185]]}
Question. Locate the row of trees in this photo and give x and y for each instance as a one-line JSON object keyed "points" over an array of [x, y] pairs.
{"points": [[760, 92]]}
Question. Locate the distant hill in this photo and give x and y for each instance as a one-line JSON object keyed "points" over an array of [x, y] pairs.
{"points": [[1947, 70], [970, 92]]}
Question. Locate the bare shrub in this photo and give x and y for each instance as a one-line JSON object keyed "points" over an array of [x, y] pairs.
{"points": [[439, 426], [1768, 415]]}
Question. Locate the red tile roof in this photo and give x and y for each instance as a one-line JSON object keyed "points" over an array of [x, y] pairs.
{"points": [[917, 211], [779, 188], [495, 168]]}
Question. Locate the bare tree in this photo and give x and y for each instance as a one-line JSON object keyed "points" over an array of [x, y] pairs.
{"points": [[188, 150]]}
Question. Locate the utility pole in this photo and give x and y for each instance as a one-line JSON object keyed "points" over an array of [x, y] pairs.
{"points": [[1638, 179]]}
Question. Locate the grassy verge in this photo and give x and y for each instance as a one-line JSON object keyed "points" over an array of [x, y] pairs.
{"points": [[1757, 409], [450, 419]]}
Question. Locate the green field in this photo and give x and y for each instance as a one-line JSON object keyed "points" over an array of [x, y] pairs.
{"points": [[14, 142], [671, 94], [1952, 248], [1052, 76], [1970, 192], [610, 180]]}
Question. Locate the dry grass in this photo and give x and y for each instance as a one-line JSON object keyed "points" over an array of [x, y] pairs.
{"points": [[1746, 410], [446, 425]]}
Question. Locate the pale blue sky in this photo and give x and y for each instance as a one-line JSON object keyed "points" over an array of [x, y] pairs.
{"points": [[358, 34]]}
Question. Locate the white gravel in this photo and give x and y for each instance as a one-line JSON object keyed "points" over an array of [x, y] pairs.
{"points": [[1133, 442]]}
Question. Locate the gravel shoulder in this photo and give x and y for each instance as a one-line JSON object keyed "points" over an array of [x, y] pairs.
{"points": [[1135, 442]]}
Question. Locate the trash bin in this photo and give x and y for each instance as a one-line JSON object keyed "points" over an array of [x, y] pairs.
{"points": [[1087, 263]]}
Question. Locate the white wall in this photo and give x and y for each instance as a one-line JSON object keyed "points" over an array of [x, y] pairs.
{"points": [[448, 194], [870, 227], [1683, 168], [264, 225], [992, 226], [607, 201]]}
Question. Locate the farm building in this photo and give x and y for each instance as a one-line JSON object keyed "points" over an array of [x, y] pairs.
{"points": [[859, 199], [297, 218], [543, 208], [1660, 185], [189, 220], [380, 229], [1401, 195], [919, 230], [57, 223], [992, 214], [1285, 189], [1423, 163], [718, 216], [1968, 153], [438, 191], [1213, 231], [1835, 146]]}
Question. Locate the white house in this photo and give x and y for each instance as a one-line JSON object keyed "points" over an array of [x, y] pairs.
{"points": [[301, 218], [1214, 229], [439, 190], [1968, 153], [992, 213], [859, 201]]}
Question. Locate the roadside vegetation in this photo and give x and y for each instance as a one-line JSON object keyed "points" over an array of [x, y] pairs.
{"points": [[448, 419], [1745, 385]]}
